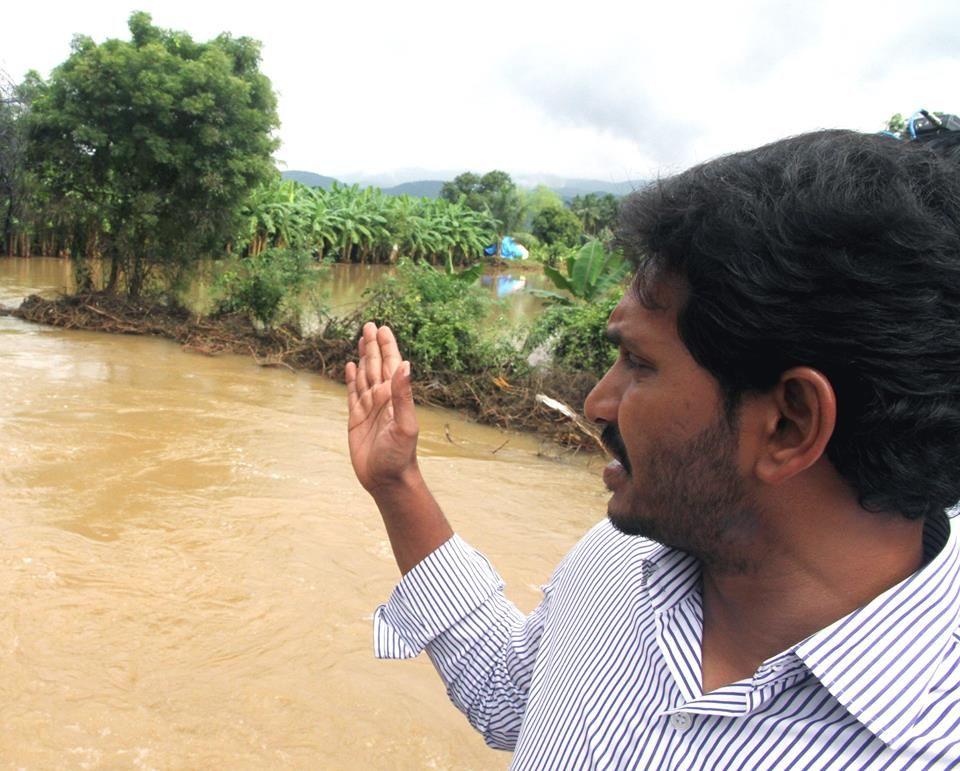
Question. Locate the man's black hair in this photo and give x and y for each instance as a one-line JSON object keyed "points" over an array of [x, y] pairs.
{"points": [[834, 250], [947, 145]]}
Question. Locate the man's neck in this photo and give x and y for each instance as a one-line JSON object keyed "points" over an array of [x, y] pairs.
{"points": [[799, 585]]}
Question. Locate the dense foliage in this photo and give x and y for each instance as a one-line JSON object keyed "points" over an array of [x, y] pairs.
{"points": [[557, 226], [270, 286], [597, 212], [575, 335], [19, 197], [439, 321], [351, 224], [155, 152]]}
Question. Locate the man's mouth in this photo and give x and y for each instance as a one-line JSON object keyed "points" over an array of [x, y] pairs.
{"points": [[613, 444], [613, 474], [618, 469]]}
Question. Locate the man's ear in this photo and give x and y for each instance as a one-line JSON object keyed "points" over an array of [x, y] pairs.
{"points": [[800, 415]]}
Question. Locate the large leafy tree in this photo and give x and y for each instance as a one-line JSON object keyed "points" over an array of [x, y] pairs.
{"points": [[494, 193], [555, 225], [160, 139], [538, 199]]}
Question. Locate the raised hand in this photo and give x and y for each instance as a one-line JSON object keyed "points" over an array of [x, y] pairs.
{"points": [[382, 428]]}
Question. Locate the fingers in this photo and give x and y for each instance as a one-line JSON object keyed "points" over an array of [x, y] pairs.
{"points": [[379, 361], [371, 361], [404, 413], [389, 351], [362, 385], [350, 375]]}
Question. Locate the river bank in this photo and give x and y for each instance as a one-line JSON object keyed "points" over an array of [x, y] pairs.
{"points": [[488, 397]]}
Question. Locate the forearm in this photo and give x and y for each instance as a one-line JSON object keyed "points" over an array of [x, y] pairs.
{"points": [[415, 524], [452, 604]]}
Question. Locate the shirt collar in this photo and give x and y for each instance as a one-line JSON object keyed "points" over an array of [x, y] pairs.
{"points": [[879, 661], [669, 576]]}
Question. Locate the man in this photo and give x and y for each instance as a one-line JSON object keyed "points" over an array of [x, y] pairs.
{"points": [[776, 584]]}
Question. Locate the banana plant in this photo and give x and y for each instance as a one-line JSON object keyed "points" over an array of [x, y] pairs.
{"points": [[591, 272]]}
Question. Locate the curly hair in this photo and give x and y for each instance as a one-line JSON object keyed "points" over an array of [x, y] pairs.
{"points": [[834, 250]]}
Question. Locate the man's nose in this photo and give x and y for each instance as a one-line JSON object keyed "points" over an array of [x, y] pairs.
{"points": [[603, 401]]}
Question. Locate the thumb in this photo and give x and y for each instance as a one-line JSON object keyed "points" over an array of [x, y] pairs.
{"points": [[401, 391]]}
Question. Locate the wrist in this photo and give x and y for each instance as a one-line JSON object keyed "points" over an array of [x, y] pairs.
{"points": [[408, 482]]}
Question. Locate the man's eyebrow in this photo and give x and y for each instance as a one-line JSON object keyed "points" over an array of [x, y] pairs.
{"points": [[615, 337]]}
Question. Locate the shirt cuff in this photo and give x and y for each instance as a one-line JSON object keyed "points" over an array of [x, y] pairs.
{"points": [[445, 587]]}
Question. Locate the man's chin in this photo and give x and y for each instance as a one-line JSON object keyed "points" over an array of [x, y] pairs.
{"points": [[625, 517], [627, 523]]}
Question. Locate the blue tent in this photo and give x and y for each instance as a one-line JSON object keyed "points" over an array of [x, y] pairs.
{"points": [[509, 249]]}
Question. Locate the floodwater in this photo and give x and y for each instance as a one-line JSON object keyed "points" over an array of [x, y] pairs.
{"points": [[341, 292], [189, 568]]}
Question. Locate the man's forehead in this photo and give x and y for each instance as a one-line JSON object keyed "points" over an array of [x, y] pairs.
{"points": [[657, 288], [636, 321]]}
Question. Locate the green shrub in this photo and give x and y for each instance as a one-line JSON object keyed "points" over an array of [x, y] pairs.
{"points": [[575, 335], [528, 240], [439, 321], [269, 286]]}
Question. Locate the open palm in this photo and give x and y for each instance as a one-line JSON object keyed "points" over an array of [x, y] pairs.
{"points": [[382, 427]]}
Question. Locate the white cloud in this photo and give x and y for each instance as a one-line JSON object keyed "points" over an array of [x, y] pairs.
{"points": [[600, 89]]}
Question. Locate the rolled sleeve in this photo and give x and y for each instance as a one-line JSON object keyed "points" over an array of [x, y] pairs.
{"points": [[444, 588]]}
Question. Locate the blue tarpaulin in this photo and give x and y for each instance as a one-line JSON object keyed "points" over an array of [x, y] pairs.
{"points": [[509, 249]]}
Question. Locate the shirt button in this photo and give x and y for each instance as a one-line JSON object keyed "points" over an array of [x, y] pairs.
{"points": [[680, 721]]}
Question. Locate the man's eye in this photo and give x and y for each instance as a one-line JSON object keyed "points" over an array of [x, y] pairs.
{"points": [[633, 362]]}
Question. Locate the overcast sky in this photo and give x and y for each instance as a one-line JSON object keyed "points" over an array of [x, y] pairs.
{"points": [[612, 91]]}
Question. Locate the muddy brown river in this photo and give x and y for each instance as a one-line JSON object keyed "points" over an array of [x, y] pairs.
{"points": [[189, 568]]}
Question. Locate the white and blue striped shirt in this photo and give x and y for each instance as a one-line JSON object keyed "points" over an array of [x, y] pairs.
{"points": [[605, 673]]}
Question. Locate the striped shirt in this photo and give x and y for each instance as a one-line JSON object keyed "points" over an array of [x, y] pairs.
{"points": [[605, 673]]}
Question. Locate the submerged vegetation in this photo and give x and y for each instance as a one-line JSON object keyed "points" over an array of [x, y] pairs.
{"points": [[353, 224], [439, 322], [271, 286]]}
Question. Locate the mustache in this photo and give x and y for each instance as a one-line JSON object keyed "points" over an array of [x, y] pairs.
{"points": [[613, 444]]}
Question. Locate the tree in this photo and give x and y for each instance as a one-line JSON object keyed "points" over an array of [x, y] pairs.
{"points": [[162, 138], [493, 193], [557, 226], [598, 213], [14, 182], [464, 188], [539, 198]]}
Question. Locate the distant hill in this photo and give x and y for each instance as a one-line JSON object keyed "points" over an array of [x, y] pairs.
{"points": [[427, 188], [566, 188], [309, 179], [575, 187]]}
